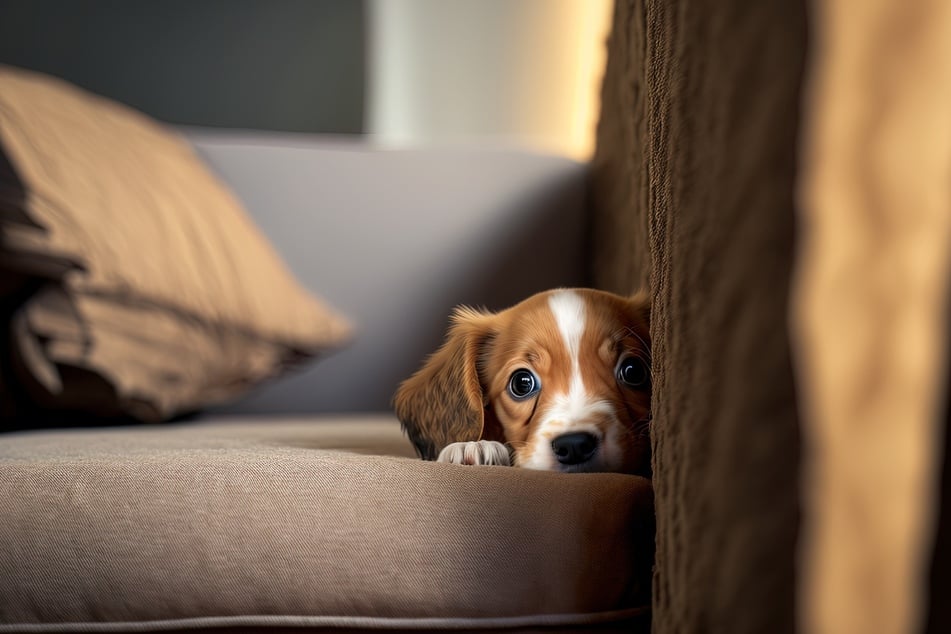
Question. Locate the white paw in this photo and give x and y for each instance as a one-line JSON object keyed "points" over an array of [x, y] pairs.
{"points": [[484, 452]]}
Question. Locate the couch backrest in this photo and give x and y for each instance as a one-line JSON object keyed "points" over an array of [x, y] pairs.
{"points": [[394, 239]]}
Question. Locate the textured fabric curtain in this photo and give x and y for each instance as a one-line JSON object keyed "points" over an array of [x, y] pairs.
{"points": [[694, 180], [870, 320], [778, 173]]}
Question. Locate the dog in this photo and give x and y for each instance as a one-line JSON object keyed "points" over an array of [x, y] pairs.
{"points": [[558, 382]]}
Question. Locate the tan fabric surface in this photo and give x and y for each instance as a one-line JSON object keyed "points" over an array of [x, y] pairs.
{"points": [[260, 520], [871, 314], [704, 97], [168, 273]]}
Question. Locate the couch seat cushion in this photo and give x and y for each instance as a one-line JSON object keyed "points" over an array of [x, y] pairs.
{"points": [[322, 523]]}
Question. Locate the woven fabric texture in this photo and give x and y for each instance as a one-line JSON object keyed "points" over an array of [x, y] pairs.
{"points": [[306, 519], [695, 178]]}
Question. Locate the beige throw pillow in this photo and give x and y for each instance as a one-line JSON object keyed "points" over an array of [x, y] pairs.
{"points": [[158, 294]]}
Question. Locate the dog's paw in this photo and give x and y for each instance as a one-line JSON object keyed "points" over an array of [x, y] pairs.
{"points": [[479, 452]]}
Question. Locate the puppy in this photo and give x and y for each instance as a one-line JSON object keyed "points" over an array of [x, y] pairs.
{"points": [[560, 382]]}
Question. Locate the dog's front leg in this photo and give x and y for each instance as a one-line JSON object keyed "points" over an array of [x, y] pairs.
{"points": [[478, 452]]}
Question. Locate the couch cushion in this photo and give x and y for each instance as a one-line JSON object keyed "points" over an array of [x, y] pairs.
{"points": [[305, 523], [150, 285]]}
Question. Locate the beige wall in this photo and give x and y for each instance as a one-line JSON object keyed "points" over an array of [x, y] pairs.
{"points": [[525, 72]]}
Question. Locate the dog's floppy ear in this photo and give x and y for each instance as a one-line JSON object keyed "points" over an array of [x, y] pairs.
{"points": [[443, 402], [640, 302]]}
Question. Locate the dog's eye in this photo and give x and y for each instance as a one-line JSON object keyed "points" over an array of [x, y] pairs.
{"points": [[523, 383], [633, 372]]}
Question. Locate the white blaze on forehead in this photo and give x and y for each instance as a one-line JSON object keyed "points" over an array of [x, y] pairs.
{"points": [[572, 411], [568, 309]]}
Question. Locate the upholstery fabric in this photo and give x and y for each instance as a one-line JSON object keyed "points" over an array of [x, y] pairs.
{"points": [[697, 145], [148, 275], [403, 235], [871, 318], [305, 523]]}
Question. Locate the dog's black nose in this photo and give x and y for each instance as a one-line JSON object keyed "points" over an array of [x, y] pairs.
{"points": [[574, 448]]}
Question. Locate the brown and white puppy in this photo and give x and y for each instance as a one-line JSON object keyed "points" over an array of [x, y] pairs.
{"points": [[560, 382]]}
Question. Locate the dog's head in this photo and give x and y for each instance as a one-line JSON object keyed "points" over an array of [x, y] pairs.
{"points": [[563, 378]]}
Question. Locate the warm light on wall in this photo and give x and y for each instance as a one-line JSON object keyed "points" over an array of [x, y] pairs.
{"points": [[594, 27], [520, 72]]}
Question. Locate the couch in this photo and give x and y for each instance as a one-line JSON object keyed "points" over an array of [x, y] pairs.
{"points": [[175, 461], [777, 174]]}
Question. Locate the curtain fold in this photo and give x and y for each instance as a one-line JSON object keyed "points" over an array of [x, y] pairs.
{"points": [[780, 174], [870, 320], [694, 192]]}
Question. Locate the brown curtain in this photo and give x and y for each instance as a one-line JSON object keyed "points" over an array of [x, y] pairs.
{"points": [[780, 174], [694, 175], [870, 313]]}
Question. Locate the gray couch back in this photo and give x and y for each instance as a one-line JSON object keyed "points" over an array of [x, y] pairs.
{"points": [[394, 239]]}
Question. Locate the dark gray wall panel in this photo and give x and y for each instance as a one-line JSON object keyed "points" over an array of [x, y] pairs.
{"points": [[295, 65]]}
